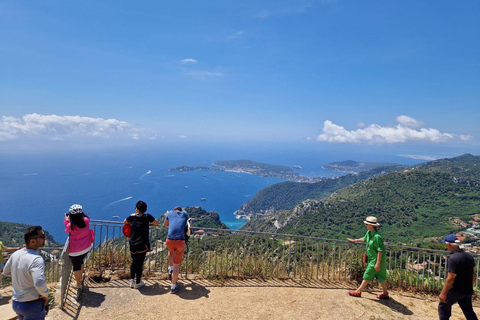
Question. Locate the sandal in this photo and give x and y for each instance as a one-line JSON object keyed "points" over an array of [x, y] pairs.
{"points": [[383, 296], [355, 294]]}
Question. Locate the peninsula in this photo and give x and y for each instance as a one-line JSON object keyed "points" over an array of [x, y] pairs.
{"points": [[255, 168]]}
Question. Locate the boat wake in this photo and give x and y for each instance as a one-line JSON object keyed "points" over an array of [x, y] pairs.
{"points": [[114, 202]]}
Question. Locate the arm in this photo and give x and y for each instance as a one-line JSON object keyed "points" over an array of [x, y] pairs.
{"points": [[11, 249], [37, 269], [154, 223], [448, 285], [355, 240], [7, 270], [379, 259], [474, 278], [68, 225]]}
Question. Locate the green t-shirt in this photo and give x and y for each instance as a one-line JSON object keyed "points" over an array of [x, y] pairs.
{"points": [[374, 242], [2, 259]]}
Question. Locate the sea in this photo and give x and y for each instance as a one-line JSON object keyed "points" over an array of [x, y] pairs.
{"points": [[38, 188]]}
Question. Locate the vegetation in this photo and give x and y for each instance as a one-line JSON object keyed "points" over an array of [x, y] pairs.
{"points": [[351, 166], [203, 219], [12, 234], [286, 195], [411, 206]]}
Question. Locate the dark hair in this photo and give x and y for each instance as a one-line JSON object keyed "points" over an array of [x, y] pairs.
{"points": [[76, 220], [141, 206], [177, 209], [32, 233]]}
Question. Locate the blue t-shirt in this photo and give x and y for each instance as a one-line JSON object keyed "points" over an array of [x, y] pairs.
{"points": [[176, 224]]}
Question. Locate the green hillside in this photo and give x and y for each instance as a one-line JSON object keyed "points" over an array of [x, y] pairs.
{"points": [[12, 234], [286, 195], [465, 168], [203, 219], [411, 206]]}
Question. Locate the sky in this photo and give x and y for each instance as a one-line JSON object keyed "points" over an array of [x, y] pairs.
{"points": [[396, 76]]}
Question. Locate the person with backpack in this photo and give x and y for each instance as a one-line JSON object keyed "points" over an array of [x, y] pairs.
{"points": [[177, 223], [139, 241]]}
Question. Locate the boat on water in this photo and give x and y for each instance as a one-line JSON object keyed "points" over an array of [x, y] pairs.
{"points": [[204, 175], [203, 199], [115, 217]]}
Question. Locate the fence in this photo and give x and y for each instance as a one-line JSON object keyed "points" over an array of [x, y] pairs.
{"points": [[218, 253], [53, 267]]}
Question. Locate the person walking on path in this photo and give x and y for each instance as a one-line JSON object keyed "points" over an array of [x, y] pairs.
{"points": [[77, 225], [27, 270], [376, 261], [176, 221], [2, 259], [459, 284], [139, 241]]}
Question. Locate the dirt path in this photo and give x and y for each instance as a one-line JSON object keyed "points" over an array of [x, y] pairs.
{"points": [[200, 299]]}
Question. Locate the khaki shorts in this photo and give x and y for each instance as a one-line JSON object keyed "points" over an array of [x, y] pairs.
{"points": [[176, 247]]}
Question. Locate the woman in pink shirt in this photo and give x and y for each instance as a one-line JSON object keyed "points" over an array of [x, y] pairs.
{"points": [[77, 224]]}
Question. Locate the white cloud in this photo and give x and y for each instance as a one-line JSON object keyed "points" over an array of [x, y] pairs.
{"points": [[55, 127], [465, 137], [182, 137], [185, 61], [420, 157], [407, 121], [375, 133]]}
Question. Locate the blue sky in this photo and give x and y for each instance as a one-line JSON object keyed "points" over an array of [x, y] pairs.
{"points": [[402, 76]]}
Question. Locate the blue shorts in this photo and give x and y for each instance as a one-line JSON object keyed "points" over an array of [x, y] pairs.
{"points": [[32, 310]]}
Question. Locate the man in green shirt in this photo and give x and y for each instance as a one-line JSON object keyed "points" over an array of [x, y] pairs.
{"points": [[376, 261]]}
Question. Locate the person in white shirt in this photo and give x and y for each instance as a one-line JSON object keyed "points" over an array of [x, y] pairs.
{"points": [[27, 270]]}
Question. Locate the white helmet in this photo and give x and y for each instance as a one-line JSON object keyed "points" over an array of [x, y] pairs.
{"points": [[75, 208]]}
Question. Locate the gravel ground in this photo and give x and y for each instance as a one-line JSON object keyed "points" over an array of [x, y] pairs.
{"points": [[248, 299]]}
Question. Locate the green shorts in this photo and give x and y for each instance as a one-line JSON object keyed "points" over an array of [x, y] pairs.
{"points": [[370, 274]]}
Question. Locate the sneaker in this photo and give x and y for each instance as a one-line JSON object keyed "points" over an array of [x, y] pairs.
{"points": [[132, 283], [75, 287], [139, 285], [175, 289]]}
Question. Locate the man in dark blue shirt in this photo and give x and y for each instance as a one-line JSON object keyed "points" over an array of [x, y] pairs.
{"points": [[176, 221], [459, 284]]}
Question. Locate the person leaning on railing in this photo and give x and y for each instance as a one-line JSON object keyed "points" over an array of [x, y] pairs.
{"points": [[376, 261], [77, 225], [139, 241]]}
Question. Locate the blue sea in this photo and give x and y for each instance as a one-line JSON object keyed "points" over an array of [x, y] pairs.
{"points": [[39, 188]]}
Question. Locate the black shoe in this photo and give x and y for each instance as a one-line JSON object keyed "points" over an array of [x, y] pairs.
{"points": [[175, 289]]}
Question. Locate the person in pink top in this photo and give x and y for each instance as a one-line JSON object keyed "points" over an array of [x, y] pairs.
{"points": [[77, 225]]}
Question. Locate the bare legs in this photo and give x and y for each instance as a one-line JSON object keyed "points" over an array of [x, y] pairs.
{"points": [[78, 276]]}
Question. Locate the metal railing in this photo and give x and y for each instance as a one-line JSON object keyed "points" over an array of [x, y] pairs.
{"points": [[53, 268], [219, 253], [67, 270]]}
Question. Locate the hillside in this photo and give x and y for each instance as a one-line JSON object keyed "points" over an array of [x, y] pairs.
{"points": [[465, 168], [203, 219], [350, 166], [414, 204], [411, 205], [12, 234], [286, 195]]}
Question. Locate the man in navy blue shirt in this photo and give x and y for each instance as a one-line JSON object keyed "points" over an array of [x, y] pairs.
{"points": [[176, 222], [459, 284]]}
